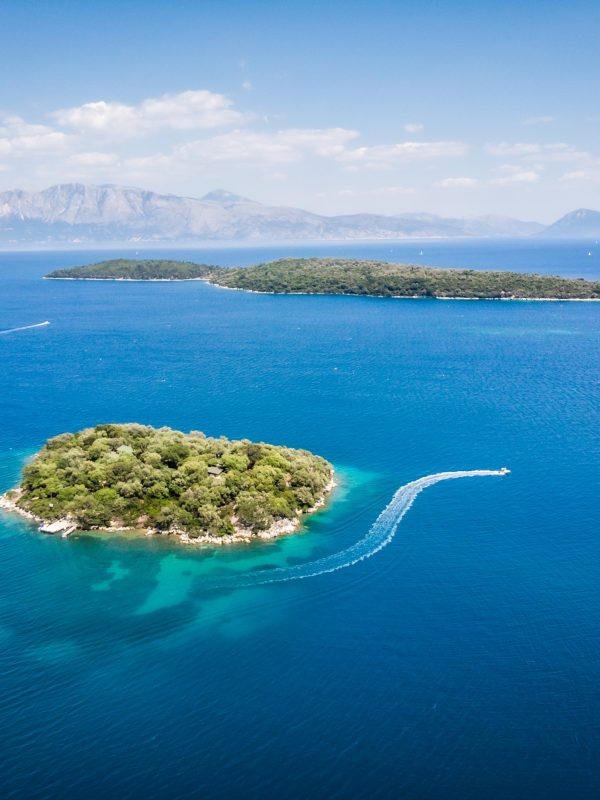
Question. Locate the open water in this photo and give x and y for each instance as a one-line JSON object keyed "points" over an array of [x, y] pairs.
{"points": [[461, 660]]}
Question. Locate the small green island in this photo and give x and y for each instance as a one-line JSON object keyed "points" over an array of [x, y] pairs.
{"points": [[347, 277], [203, 490], [128, 269]]}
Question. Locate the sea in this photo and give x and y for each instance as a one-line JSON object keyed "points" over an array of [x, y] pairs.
{"points": [[448, 649]]}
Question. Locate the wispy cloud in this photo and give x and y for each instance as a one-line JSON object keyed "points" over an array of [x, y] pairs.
{"points": [[380, 191], [504, 149], [526, 176], [558, 151], [458, 183], [413, 127], [582, 176], [389, 154], [281, 146], [541, 120], [293, 144], [94, 159]]}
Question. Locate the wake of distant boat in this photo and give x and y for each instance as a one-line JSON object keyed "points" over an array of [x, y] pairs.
{"points": [[380, 534], [25, 327]]}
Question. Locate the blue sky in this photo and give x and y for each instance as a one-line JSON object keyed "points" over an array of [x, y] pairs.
{"points": [[449, 107]]}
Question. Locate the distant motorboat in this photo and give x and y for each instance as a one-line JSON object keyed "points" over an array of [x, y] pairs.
{"points": [[25, 327]]}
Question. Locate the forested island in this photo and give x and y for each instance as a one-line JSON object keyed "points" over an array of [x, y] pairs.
{"points": [[348, 276], [381, 279], [129, 269], [202, 489]]}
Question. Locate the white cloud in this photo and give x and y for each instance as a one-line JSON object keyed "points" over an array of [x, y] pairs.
{"points": [[16, 126], [184, 111], [457, 183], [198, 137], [18, 138]]}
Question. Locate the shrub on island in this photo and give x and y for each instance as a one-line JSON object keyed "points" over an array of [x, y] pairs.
{"points": [[135, 476]]}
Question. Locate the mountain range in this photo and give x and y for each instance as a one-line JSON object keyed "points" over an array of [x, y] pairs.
{"points": [[75, 213]]}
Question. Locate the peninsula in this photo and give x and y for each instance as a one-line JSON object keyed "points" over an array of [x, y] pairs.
{"points": [[201, 489], [348, 276]]}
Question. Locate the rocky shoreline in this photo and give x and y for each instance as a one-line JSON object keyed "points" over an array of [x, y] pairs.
{"points": [[242, 535], [509, 298]]}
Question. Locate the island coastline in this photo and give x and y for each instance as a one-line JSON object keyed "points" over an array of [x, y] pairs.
{"points": [[370, 296], [346, 277], [242, 535], [130, 477]]}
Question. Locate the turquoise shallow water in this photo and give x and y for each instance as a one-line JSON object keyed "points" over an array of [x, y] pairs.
{"points": [[461, 661]]}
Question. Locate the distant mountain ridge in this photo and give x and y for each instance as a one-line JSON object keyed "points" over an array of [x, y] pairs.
{"points": [[80, 214], [580, 224]]}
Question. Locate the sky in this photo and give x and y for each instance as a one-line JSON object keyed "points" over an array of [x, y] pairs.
{"points": [[453, 108]]}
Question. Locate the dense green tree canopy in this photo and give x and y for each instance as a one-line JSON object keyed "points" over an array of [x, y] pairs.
{"points": [[348, 276], [135, 270], [139, 476], [380, 279]]}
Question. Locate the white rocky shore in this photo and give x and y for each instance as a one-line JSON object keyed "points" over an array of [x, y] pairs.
{"points": [[8, 502], [242, 535]]}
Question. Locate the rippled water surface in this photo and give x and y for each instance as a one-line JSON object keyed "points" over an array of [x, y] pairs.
{"points": [[461, 661]]}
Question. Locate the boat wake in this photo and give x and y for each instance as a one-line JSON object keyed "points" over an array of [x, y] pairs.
{"points": [[380, 534], [25, 327]]}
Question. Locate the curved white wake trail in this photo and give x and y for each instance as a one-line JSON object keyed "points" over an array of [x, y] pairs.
{"points": [[380, 534], [25, 327]]}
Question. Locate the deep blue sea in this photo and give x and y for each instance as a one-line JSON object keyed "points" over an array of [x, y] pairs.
{"points": [[461, 661]]}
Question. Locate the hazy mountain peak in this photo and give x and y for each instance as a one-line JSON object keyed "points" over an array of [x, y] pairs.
{"points": [[225, 198], [581, 213], [583, 223]]}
